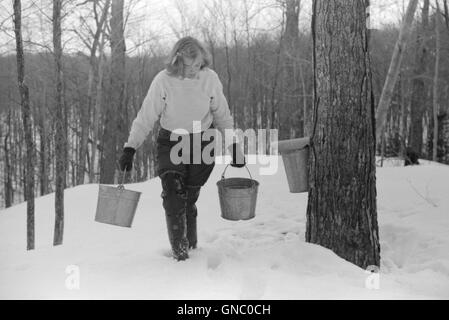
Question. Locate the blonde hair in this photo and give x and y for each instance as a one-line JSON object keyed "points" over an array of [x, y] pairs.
{"points": [[188, 47]]}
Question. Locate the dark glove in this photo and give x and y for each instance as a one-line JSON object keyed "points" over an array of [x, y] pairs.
{"points": [[237, 161], [126, 160]]}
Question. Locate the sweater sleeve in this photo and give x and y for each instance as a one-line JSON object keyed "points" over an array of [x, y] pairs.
{"points": [[219, 106], [149, 113]]}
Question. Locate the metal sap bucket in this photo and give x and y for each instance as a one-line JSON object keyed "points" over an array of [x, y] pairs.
{"points": [[116, 205], [295, 155], [238, 197]]}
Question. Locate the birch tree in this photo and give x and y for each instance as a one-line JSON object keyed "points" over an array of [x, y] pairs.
{"points": [[393, 71]]}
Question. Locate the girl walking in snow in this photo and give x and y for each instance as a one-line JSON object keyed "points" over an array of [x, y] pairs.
{"points": [[186, 92]]}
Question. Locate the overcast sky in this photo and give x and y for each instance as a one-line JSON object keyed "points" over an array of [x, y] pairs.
{"points": [[158, 23], [158, 18]]}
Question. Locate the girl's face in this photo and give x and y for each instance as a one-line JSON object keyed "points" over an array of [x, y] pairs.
{"points": [[192, 66]]}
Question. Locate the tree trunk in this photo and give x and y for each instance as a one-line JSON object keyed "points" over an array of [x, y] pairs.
{"points": [[114, 123], [435, 84], [15, 147], [446, 14], [248, 85], [97, 111], [228, 70], [43, 151], [341, 210], [74, 148], [393, 71], [419, 88], [84, 133], [27, 127], [272, 117], [290, 53], [9, 195], [306, 121], [403, 117], [60, 131]]}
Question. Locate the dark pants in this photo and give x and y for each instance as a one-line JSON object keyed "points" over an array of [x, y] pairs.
{"points": [[181, 184]]}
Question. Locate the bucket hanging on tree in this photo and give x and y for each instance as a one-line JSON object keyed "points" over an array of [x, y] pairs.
{"points": [[295, 155]]}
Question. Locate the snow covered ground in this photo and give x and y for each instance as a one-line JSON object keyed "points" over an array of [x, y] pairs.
{"points": [[263, 258]]}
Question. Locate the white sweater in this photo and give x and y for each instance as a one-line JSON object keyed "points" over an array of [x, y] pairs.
{"points": [[180, 102]]}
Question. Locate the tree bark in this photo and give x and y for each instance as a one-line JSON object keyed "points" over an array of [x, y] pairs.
{"points": [[9, 191], [290, 53], [273, 116], [27, 126], [43, 148], [60, 131], [114, 117], [341, 210], [97, 111], [419, 88], [435, 84], [16, 149], [306, 121], [446, 14], [403, 116], [228, 70]]}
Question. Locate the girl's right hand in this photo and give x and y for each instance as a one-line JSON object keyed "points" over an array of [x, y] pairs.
{"points": [[238, 158], [126, 160]]}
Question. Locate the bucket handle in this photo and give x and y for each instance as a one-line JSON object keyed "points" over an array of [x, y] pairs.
{"points": [[121, 186], [223, 174]]}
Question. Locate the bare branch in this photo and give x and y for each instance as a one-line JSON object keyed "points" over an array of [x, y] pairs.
{"points": [[82, 38], [33, 4], [85, 2], [30, 42]]}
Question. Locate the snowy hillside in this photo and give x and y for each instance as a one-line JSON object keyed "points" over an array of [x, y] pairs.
{"points": [[263, 258]]}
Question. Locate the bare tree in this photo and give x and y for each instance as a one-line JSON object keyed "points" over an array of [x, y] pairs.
{"points": [[100, 21], [217, 11], [26, 117], [341, 210], [44, 142], [435, 83], [446, 14], [8, 177], [60, 132], [403, 113], [291, 68], [115, 117], [419, 86], [393, 71], [249, 87], [97, 108]]}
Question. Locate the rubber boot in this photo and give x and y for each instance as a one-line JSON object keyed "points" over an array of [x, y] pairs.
{"points": [[191, 214], [174, 197]]}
